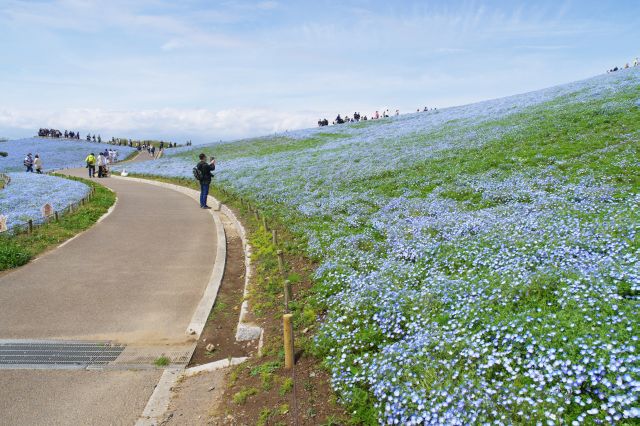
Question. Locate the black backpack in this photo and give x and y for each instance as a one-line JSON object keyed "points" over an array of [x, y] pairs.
{"points": [[197, 173]]}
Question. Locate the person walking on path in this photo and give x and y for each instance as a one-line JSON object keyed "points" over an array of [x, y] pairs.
{"points": [[102, 162], [28, 163], [38, 163], [91, 164], [205, 170]]}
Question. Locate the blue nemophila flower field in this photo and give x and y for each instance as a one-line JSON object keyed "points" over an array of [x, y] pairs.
{"points": [[56, 154], [478, 264], [23, 198]]}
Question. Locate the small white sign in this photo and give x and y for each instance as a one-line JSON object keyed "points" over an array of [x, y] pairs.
{"points": [[3, 223], [47, 210]]}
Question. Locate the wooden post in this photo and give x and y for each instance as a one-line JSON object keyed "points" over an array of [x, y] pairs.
{"points": [[274, 234], [288, 340], [256, 214], [280, 261], [30, 222], [55, 214], [287, 295], [264, 223]]}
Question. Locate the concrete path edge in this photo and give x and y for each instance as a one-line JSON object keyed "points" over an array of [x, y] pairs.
{"points": [[246, 330], [201, 314], [213, 366], [160, 398], [199, 318]]}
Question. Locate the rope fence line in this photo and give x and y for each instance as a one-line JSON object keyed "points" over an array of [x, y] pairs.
{"points": [[287, 317], [49, 215]]}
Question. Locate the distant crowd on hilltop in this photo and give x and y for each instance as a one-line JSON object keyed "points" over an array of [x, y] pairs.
{"points": [[358, 117], [141, 145], [636, 63], [55, 133]]}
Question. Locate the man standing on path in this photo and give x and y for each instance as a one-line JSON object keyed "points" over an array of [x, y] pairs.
{"points": [[91, 164], [205, 180]]}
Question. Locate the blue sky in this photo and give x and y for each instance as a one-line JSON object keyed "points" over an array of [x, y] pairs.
{"points": [[209, 70]]}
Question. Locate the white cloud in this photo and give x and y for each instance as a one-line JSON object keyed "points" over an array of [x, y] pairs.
{"points": [[171, 123]]}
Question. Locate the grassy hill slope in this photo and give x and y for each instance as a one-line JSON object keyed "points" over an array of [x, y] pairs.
{"points": [[477, 263]]}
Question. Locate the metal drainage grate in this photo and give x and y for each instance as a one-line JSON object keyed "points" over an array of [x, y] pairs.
{"points": [[57, 354], [141, 356]]}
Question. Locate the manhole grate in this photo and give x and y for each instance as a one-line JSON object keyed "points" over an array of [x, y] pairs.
{"points": [[59, 354]]}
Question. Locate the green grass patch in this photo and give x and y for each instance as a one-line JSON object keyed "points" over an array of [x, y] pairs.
{"points": [[286, 386], [242, 396], [162, 361], [262, 146], [17, 250]]}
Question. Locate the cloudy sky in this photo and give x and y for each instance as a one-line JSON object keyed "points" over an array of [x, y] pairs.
{"points": [[209, 70]]}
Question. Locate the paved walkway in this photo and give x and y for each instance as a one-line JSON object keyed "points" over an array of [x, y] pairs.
{"points": [[135, 278]]}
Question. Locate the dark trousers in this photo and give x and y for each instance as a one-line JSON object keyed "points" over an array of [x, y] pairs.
{"points": [[100, 171], [204, 193], [92, 170]]}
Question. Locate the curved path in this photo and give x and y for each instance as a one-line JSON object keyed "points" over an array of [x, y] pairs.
{"points": [[135, 278]]}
